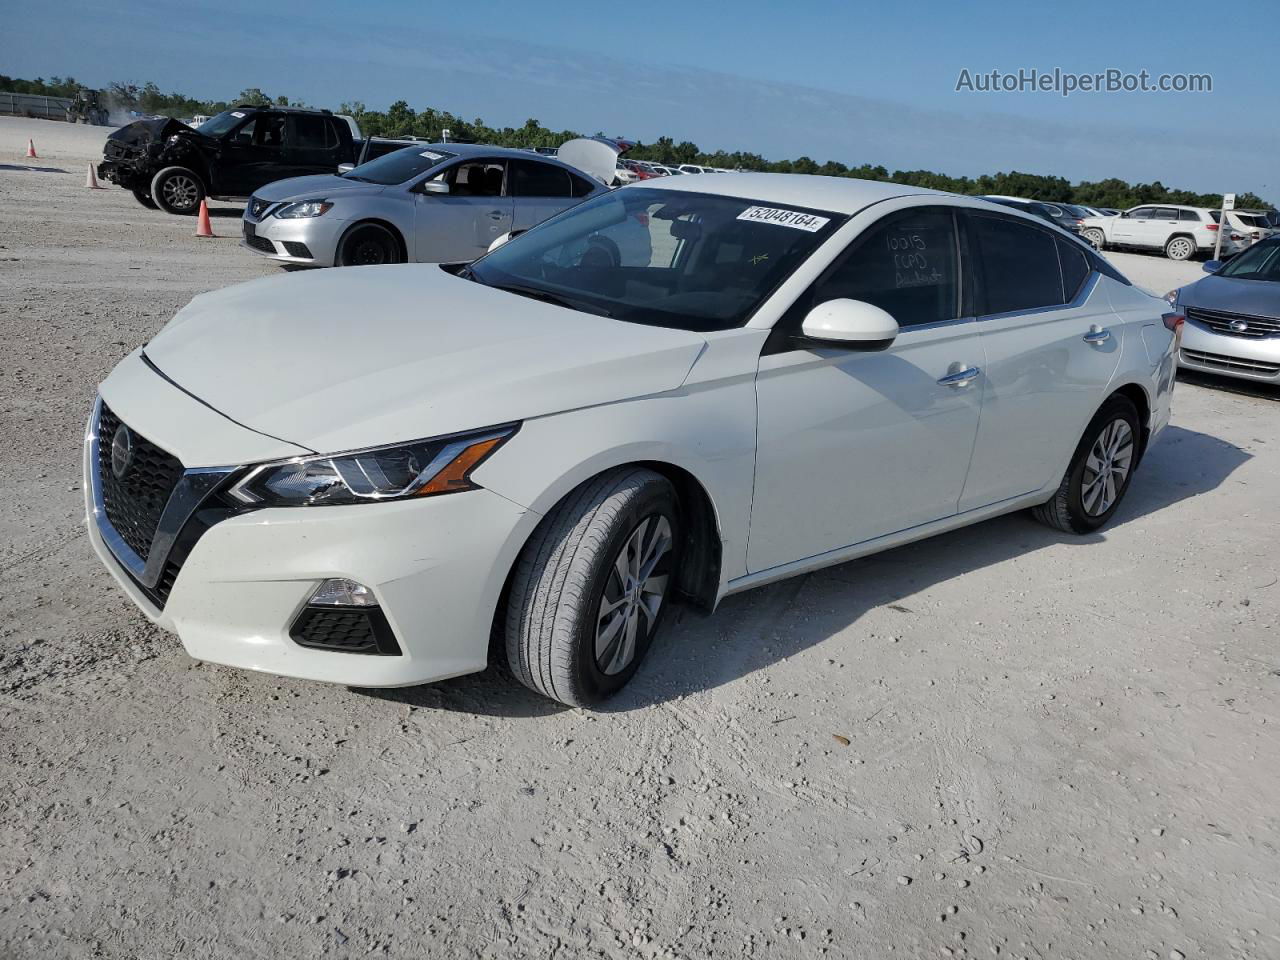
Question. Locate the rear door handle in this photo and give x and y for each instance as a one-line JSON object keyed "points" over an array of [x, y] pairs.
{"points": [[961, 378], [496, 214], [1097, 335]]}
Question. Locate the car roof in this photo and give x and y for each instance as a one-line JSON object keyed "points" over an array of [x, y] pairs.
{"points": [[837, 194], [275, 109], [484, 150]]}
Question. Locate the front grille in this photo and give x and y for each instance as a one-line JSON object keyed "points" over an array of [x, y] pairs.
{"points": [[1256, 368], [1220, 321], [345, 630], [134, 501], [258, 243], [257, 207]]}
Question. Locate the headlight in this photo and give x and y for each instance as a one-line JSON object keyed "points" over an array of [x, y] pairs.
{"points": [[304, 208], [420, 469], [1172, 297]]}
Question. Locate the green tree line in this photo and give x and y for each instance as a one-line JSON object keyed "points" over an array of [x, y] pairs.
{"points": [[400, 120]]}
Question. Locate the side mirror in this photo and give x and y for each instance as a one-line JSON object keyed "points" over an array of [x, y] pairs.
{"points": [[1212, 266], [346, 167], [433, 186], [499, 241], [850, 324], [1124, 214]]}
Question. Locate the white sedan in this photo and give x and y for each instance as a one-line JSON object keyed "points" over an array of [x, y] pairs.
{"points": [[355, 476]]}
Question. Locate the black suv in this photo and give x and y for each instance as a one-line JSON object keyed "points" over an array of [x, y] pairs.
{"points": [[172, 166]]}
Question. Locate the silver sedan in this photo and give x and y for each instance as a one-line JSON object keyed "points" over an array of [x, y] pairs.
{"points": [[429, 203]]}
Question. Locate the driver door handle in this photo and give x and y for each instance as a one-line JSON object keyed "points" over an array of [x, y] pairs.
{"points": [[496, 214], [961, 378]]}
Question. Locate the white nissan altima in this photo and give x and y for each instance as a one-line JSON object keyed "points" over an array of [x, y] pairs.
{"points": [[355, 476]]}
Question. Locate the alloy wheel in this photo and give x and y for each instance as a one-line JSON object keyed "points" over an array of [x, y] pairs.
{"points": [[633, 594], [180, 191], [1180, 249], [1107, 467]]}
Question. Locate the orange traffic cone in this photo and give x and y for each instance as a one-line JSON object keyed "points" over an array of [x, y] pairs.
{"points": [[31, 149], [91, 180], [203, 228]]}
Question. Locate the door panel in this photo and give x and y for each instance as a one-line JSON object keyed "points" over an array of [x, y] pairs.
{"points": [[460, 225], [253, 156], [539, 190], [1042, 384], [853, 446]]}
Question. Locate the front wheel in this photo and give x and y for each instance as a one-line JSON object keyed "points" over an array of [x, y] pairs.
{"points": [[592, 585], [177, 190], [368, 244], [1095, 238], [144, 198], [1100, 471], [1179, 248]]}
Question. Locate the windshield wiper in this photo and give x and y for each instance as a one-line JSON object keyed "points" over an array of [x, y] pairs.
{"points": [[546, 296], [352, 176]]}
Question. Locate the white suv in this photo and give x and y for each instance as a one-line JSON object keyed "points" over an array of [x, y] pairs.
{"points": [[1181, 232]]}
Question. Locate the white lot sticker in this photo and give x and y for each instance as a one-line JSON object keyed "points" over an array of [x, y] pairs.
{"points": [[431, 156], [236, 113], [784, 218]]}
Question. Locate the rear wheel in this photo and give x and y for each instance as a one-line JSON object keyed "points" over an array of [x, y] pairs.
{"points": [[177, 190], [1095, 238], [144, 198], [368, 244], [1100, 471], [592, 586], [1179, 248]]}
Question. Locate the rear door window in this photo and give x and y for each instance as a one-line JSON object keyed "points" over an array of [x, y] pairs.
{"points": [[477, 178], [1015, 264], [529, 178], [312, 133]]}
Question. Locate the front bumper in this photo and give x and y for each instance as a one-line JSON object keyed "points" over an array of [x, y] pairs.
{"points": [[125, 173], [436, 566], [1210, 352], [312, 241]]}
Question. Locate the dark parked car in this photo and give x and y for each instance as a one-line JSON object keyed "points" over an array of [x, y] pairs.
{"points": [[1033, 207], [172, 166]]}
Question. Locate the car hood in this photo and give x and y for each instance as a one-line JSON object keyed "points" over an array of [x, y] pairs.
{"points": [[315, 187], [361, 356], [1259, 298], [155, 130]]}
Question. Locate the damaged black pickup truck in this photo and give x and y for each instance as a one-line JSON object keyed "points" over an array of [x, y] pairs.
{"points": [[172, 166]]}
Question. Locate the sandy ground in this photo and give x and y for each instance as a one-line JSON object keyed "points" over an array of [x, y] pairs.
{"points": [[1056, 746]]}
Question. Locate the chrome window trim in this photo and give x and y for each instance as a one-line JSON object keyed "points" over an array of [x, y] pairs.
{"points": [[191, 490], [1086, 289]]}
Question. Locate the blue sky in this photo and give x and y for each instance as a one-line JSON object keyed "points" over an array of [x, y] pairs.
{"points": [[851, 82]]}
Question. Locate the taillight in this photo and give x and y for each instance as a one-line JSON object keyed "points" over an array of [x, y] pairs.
{"points": [[1211, 226], [642, 219], [1173, 323]]}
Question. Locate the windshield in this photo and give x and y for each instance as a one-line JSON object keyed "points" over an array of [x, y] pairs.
{"points": [[1259, 262], [667, 258], [399, 166], [223, 122]]}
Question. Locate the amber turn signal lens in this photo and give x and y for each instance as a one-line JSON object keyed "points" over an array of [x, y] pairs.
{"points": [[457, 475]]}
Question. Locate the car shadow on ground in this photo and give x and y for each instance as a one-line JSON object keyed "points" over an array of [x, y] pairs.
{"points": [[26, 169], [1236, 385], [750, 631]]}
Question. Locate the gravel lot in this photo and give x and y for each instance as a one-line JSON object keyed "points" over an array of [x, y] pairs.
{"points": [[1003, 741]]}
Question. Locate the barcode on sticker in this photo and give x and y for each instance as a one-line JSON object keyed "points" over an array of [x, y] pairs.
{"points": [[784, 218], [431, 156]]}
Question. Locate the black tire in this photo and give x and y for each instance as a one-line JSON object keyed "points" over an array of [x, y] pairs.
{"points": [[144, 198], [1096, 238], [367, 244], [569, 570], [1180, 248], [177, 190], [1067, 510]]}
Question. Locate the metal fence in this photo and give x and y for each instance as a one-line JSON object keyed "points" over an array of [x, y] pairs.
{"points": [[34, 105]]}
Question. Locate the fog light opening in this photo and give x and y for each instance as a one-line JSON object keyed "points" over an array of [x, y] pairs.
{"points": [[341, 592]]}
